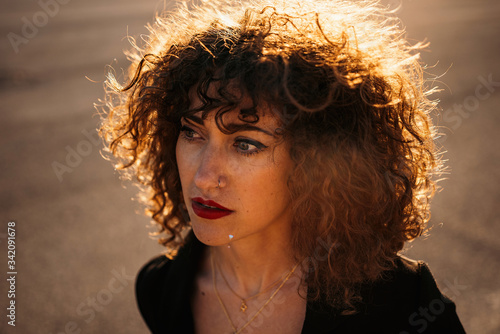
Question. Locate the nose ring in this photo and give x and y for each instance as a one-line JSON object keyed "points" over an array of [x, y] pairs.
{"points": [[218, 182]]}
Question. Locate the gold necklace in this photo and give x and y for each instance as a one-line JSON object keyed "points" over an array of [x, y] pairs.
{"points": [[244, 305], [236, 330]]}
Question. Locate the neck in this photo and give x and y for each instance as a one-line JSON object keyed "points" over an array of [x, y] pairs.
{"points": [[253, 264]]}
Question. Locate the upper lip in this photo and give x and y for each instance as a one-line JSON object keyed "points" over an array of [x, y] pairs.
{"points": [[209, 203]]}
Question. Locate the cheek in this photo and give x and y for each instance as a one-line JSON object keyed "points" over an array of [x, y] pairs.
{"points": [[178, 159], [182, 162], [279, 189], [281, 175], [268, 188], [178, 156]]}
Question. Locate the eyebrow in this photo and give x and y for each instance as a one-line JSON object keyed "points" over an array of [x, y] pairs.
{"points": [[242, 127]]}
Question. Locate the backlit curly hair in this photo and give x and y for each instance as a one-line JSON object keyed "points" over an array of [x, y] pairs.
{"points": [[349, 91]]}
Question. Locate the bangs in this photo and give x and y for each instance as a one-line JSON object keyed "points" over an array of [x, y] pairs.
{"points": [[225, 94]]}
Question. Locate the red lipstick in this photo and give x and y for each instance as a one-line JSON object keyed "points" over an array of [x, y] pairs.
{"points": [[208, 209]]}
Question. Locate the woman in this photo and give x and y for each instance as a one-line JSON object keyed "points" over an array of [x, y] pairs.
{"points": [[286, 149]]}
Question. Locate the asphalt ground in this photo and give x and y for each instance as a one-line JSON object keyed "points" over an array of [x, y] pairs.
{"points": [[79, 237]]}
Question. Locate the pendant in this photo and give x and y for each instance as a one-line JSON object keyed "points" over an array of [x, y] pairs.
{"points": [[243, 306]]}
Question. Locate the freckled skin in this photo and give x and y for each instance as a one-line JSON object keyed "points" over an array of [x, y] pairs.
{"points": [[253, 186]]}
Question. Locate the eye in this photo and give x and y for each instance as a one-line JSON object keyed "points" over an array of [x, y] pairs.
{"points": [[188, 133], [243, 146], [248, 147]]}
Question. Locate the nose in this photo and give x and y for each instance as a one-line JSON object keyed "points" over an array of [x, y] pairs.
{"points": [[211, 166]]}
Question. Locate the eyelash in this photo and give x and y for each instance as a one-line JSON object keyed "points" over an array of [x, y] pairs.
{"points": [[259, 146]]}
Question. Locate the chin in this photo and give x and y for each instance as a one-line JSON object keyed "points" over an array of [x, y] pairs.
{"points": [[210, 235]]}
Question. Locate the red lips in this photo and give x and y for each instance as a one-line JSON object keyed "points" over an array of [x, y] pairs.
{"points": [[208, 209]]}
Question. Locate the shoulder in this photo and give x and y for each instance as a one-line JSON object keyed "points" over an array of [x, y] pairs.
{"points": [[160, 272], [409, 299], [163, 285], [405, 300], [152, 274], [411, 278], [150, 283], [153, 271]]}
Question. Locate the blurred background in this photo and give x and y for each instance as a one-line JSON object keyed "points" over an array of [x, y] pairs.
{"points": [[80, 241]]}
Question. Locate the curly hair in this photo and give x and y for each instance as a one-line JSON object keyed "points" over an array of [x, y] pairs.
{"points": [[350, 95]]}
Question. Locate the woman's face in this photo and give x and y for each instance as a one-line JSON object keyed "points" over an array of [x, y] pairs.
{"points": [[252, 200]]}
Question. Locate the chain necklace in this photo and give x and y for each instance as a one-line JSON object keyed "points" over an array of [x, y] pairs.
{"points": [[236, 330], [244, 301]]}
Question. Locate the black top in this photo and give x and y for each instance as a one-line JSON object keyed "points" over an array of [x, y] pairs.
{"points": [[407, 301]]}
